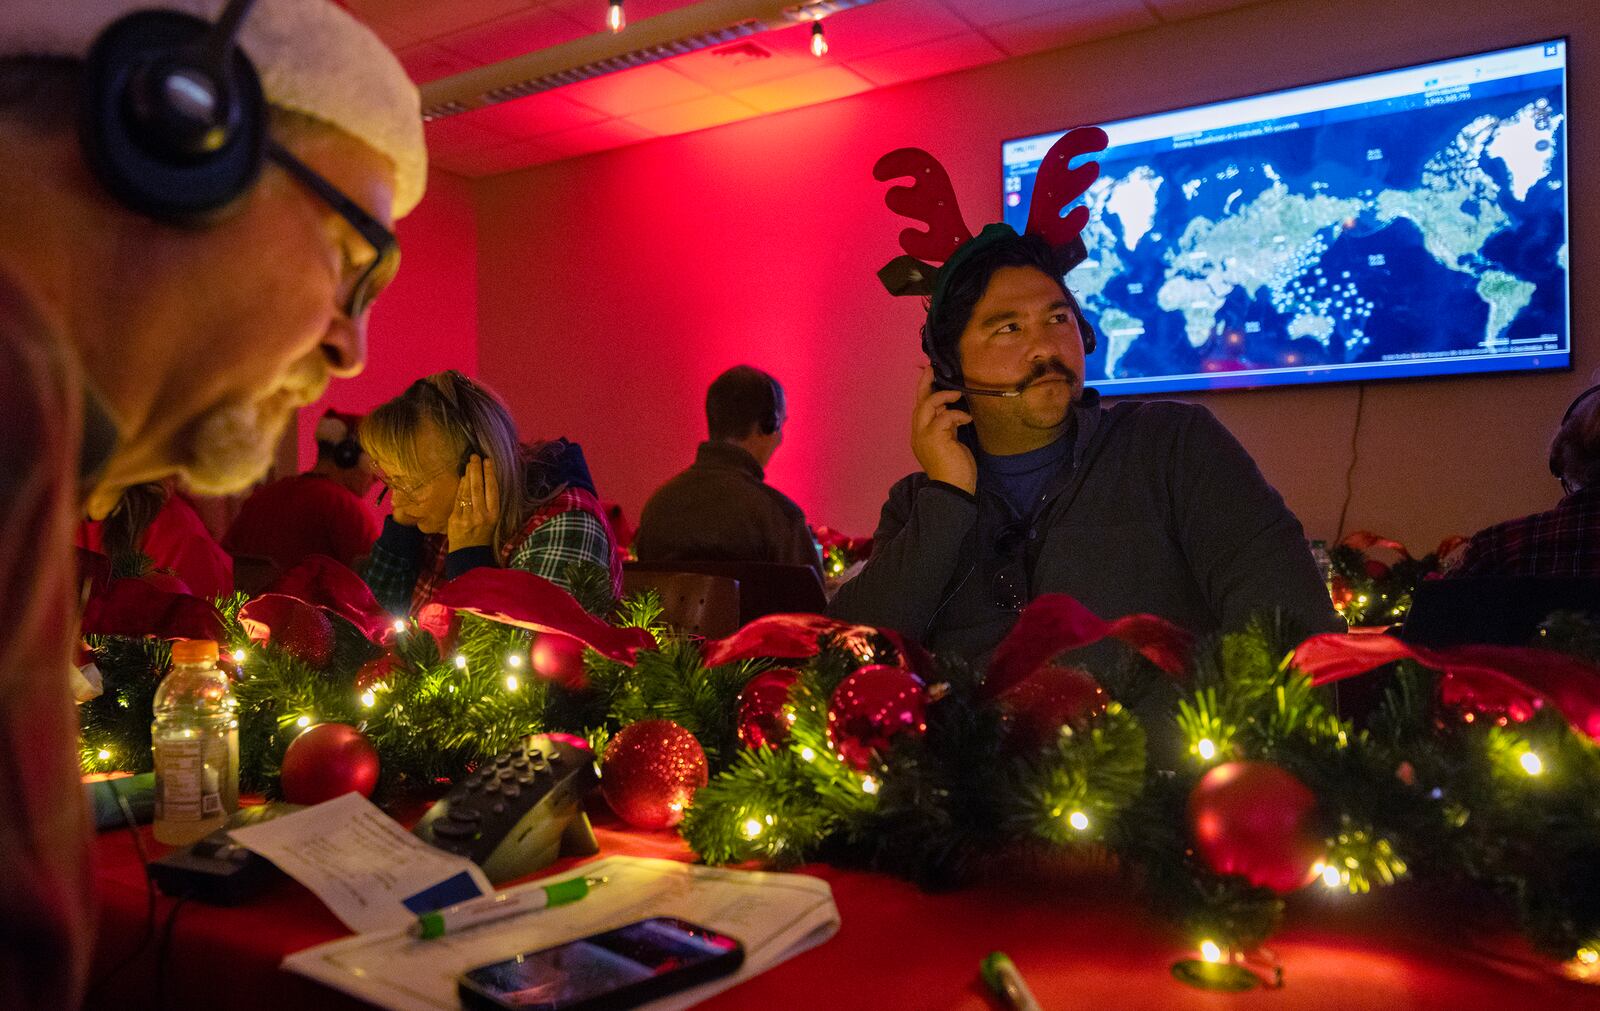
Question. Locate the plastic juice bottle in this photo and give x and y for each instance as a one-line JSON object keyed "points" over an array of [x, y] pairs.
{"points": [[195, 738]]}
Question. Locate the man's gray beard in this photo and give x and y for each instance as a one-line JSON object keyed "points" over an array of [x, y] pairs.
{"points": [[232, 447]]}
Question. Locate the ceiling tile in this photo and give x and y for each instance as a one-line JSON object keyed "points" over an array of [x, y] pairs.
{"points": [[697, 114], [1069, 25], [930, 59], [821, 85], [515, 35], [755, 60], [521, 118], [460, 132], [994, 12], [403, 23], [886, 25], [488, 161], [429, 62], [596, 137], [631, 91], [1178, 10]]}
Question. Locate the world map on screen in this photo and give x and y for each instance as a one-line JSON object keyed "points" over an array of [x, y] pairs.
{"points": [[1426, 234]]}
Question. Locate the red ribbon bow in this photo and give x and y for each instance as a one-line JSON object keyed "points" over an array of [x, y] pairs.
{"points": [[1055, 623], [796, 636], [1512, 680], [135, 608], [323, 582], [514, 597]]}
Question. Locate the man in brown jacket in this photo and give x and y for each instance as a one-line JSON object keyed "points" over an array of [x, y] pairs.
{"points": [[721, 508], [186, 257]]}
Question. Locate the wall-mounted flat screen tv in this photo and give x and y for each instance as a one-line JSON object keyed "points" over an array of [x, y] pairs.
{"points": [[1408, 223]]}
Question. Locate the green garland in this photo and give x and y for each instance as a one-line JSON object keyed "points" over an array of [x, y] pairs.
{"points": [[1417, 792], [1365, 599]]}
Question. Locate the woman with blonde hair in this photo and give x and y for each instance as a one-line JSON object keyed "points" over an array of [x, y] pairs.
{"points": [[467, 493]]}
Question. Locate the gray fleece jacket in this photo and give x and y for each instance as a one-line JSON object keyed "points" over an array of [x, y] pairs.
{"points": [[1160, 510]]}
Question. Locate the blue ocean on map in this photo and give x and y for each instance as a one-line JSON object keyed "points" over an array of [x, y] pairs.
{"points": [[1410, 237]]}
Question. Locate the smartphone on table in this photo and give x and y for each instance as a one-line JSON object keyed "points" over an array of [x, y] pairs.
{"points": [[619, 968]]}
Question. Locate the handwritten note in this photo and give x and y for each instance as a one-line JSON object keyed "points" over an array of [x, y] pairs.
{"points": [[371, 872]]}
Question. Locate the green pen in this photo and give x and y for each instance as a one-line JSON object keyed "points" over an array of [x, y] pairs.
{"points": [[488, 908], [1002, 977]]}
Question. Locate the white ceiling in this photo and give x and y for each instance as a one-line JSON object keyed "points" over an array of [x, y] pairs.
{"points": [[885, 43]]}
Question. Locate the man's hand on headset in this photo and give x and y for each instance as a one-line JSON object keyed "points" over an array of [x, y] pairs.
{"points": [[934, 423]]}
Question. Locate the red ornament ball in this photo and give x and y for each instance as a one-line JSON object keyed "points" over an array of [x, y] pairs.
{"points": [[557, 657], [297, 628], [650, 773], [1052, 697], [1256, 820], [328, 760], [762, 721], [872, 707]]}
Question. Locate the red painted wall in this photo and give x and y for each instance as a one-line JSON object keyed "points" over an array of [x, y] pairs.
{"points": [[614, 287], [427, 320]]}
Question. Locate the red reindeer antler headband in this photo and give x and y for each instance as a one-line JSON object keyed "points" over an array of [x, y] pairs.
{"points": [[931, 199]]}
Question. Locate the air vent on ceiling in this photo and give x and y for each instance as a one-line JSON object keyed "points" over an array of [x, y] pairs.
{"points": [[702, 25], [741, 53]]}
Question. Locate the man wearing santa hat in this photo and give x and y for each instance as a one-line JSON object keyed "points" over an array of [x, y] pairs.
{"points": [[320, 512], [196, 216]]}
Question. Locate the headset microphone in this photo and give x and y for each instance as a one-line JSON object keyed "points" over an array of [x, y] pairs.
{"points": [[955, 387]]}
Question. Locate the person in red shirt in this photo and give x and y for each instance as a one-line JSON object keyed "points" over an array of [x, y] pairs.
{"points": [[320, 512], [157, 529]]}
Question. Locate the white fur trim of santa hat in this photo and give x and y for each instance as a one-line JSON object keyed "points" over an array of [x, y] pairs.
{"points": [[314, 58]]}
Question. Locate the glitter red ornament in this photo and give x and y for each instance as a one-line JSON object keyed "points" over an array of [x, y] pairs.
{"points": [[292, 625], [763, 720], [872, 707], [650, 773], [328, 760], [1052, 697], [1256, 820], [557, 657]]}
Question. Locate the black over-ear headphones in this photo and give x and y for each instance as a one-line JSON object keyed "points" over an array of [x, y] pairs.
{"points": [[347, 452], [768, 422], [1555, 448], [173, 120]]}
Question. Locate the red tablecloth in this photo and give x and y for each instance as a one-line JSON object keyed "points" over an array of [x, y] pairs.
{"points": [[1080, 944]]}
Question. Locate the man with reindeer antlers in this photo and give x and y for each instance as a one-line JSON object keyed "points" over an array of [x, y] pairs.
{"points": [[1029, 485]]}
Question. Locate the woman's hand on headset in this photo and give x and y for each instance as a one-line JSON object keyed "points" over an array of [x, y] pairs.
{"points": [[477, 510], [934, 424]]}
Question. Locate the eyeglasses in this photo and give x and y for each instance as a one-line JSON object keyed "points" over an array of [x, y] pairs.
{"points": [[1010, 583], [386, 261], [409, 489]]}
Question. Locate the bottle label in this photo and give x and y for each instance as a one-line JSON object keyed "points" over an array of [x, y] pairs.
{"points": [[190, 773]]}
